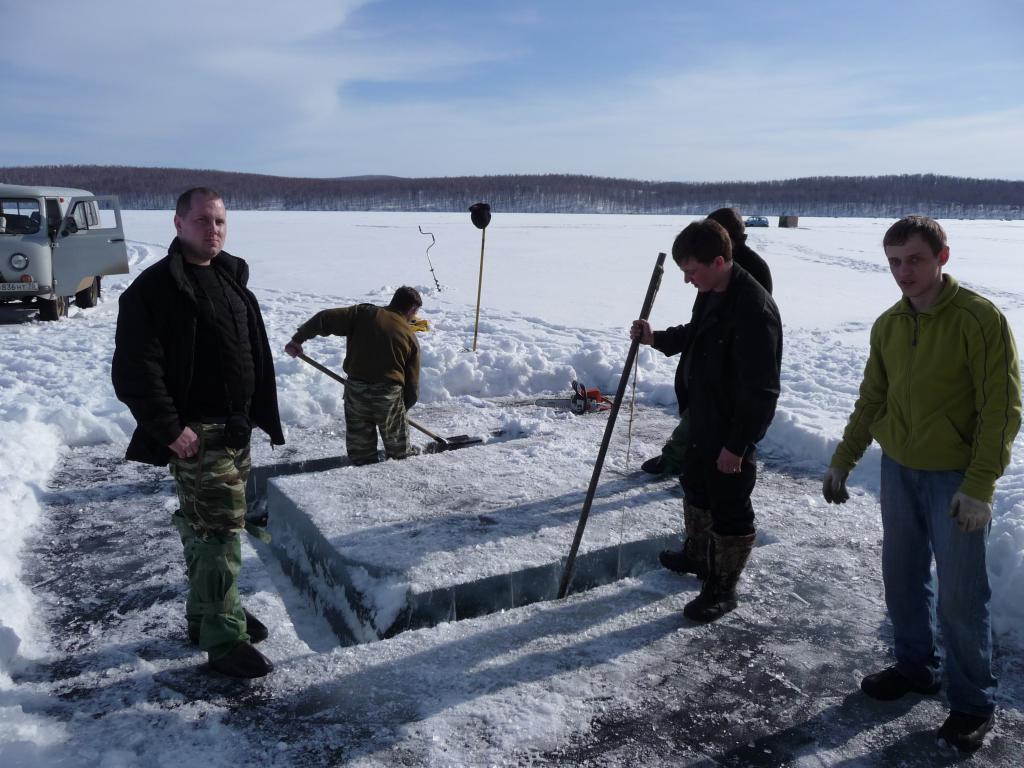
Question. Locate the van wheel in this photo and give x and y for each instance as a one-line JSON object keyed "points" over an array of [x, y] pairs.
{"points": [[53, 309], [86, 297]]}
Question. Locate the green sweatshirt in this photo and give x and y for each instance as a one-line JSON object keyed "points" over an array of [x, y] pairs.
{"points": [[381, 345], [941, 390]]}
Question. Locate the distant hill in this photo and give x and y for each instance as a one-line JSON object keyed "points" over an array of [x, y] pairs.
{"points": [[882, 196]]}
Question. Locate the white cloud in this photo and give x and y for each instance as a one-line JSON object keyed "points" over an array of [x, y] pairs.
{"points": [[247, 86], [724, 124]]}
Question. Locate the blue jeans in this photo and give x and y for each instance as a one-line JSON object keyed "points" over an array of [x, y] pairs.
{"points": [[915, 526]]}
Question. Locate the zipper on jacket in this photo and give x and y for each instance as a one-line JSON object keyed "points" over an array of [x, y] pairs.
{"points": [[908, 395]]}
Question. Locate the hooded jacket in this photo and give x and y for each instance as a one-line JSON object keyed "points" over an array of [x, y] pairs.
{"points": [[941, 390], [154, 354]]}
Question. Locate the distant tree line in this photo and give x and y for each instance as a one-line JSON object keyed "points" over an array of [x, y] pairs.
{"points": [[860, 196]]}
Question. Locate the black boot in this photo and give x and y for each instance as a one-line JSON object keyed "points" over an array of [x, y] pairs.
{"points": [[243, 661], [255, 628], [692, 558], [652, 466], [727, 555], [891, 684], [965, 732]]}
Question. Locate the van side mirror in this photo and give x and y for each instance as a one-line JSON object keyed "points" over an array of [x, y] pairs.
{"points": [[70, 227]]}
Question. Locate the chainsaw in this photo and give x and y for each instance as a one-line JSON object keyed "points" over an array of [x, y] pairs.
{"points": [[586, 400]]}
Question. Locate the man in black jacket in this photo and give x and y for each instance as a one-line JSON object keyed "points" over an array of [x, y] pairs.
{"points": [[728, 379], [193, 364], [670, 460]]}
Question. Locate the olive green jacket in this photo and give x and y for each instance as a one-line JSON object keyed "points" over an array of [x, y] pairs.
{"points": [[941, 390], [381, 345]]}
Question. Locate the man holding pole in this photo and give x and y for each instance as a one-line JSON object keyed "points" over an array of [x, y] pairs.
{"points": [[728, 378], [670, 460], [382, 359]]}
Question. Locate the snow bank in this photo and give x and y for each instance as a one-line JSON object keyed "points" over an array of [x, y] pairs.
{"points": [[28, 454]]}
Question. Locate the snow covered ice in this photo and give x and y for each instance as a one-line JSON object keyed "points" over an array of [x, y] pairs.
{"points": [[94, 669]]}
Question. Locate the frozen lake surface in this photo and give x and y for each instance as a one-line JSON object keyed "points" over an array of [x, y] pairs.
{"points": [[94, 669]]}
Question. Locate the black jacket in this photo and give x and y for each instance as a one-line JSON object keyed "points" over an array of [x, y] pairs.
{"points": [[735, 354], [749, 259], [154, 349]]}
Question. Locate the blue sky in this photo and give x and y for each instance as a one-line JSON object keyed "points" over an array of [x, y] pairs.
{"points": [[653, 90]]}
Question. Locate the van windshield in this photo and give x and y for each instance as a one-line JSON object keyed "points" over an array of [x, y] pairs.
{"points": [[19, 216]]}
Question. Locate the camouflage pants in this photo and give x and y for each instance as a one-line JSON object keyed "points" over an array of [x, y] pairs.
{"points": [[673, 454], [373, 407], [211, 495]]}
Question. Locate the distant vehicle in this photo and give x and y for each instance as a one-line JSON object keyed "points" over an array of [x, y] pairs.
{"points": [[757, 221], [55, 244]]}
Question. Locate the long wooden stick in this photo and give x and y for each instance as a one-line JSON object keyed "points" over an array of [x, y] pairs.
{"points": [[479, 286], [645, 312], [325, 370]]}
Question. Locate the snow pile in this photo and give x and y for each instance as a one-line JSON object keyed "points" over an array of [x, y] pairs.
{"points": [[29, 451]]}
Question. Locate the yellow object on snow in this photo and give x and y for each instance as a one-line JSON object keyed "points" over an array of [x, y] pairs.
{"points": [[419, 325]]}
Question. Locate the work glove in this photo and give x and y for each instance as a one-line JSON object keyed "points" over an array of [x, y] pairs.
{"points": [[971, 514], [833, 488]]}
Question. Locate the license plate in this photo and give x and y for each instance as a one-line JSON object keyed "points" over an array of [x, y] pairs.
{"points": [[18, 287]]}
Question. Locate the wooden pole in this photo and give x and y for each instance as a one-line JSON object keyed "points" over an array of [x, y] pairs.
{"points": [[479, 286], [645, 312]]}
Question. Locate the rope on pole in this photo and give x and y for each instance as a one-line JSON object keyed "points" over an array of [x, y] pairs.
{"points": [[652, 292]]}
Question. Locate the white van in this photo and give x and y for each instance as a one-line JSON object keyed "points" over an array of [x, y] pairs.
{"points": [[55, 244]]}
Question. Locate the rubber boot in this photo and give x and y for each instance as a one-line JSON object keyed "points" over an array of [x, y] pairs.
{"points": [[727, 556], [692, 558], [242, 661]]}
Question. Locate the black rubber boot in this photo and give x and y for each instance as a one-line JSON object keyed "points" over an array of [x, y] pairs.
{"points": [[727, 556], [243, 661], [693, 557], [652, 466]]}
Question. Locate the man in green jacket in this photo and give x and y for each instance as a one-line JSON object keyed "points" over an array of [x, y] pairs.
{"points": [[941, 395], [382, 360]]}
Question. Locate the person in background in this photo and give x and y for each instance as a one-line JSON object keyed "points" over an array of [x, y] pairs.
{"points": [[941, 395], [382, 359], [193, 364], [728, 378]]}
